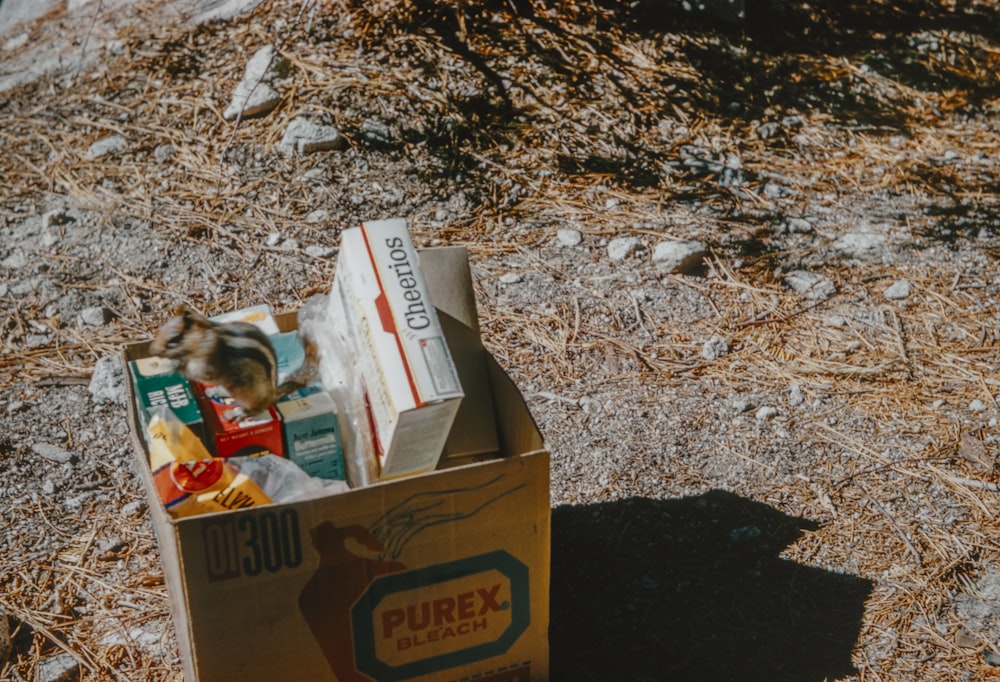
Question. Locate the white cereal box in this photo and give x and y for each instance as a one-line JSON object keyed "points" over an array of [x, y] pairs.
{"points": [[411, 383]]}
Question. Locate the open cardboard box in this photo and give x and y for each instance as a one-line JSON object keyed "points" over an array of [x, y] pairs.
{"points": [[443, 576]]}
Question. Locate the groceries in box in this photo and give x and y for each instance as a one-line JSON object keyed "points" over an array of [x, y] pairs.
{"points": [[390, 381]]}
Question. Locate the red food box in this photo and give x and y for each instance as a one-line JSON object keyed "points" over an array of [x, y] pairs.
{"points": [[258, 435]]}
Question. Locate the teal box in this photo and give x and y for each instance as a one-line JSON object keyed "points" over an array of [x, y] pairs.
{"points": [[156, 383], [312, 433]]}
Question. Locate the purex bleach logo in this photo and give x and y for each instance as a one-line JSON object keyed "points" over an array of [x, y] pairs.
{"points": [[412, 623]]}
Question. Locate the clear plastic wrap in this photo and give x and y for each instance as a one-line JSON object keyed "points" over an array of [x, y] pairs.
{"points": [[318, 321]]}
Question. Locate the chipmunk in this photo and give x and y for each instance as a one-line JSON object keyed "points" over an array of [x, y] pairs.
{"points": [[235, 355]]}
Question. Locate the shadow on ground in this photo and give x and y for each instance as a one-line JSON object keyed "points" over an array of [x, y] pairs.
{"points": [[694, 590]]}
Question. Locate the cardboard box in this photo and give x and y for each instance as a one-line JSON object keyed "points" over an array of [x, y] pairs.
{"points": [[411, 382], [440, 577]]}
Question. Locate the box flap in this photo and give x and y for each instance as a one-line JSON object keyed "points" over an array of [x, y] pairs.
{"points": [[449, 282]]}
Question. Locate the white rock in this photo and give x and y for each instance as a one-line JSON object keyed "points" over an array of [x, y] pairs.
{"points": [[265, 65], [799, 225], [569, 237], [111, 144], [318, 216], [305, 137], [683, 257], [795, 396], [317, 251], [766, 412], [900, 289], [251, 99], [163, 152], [511, 278], [773, 190], [52, 453], [623, 247], [216, 10], [15, 261], [107, 383], [273, 239], [714, 348], [814, 287], [95, 316], [861, 244], [977, 405], [59, 668]]}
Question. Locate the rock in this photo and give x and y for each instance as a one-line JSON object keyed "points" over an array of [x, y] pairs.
{"points": [[304, 137], [798, 225], [860, 244], [134, 507], [107, 384], [683, 257], [251, 99], [742, 405], [795, 396], [376, 131], [511, 278], [320, 215], [15, 261], [163, 152], [569, 237], [714, 348], [96, 316], [814, 287], [115, 48], [899, 289], [221, 10], [265, 65], [107, 145], [273, 239], [317, 251], [977, 405], [623, 247], [966, 639], [53, 453], [991, 657], [253, 95], [60, 668], [765, 413], [773, 190], [766, 131]]}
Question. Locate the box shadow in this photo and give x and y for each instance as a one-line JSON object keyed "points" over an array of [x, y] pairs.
{"points": [[694, 589]]}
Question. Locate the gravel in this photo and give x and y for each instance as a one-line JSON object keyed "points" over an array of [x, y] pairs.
{"points": [[749, 300]]}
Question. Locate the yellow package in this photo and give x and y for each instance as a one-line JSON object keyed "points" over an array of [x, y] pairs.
{"points": [[188, 479]]}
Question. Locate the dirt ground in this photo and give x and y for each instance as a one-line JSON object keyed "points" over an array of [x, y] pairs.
{"points": [[777, 463]]}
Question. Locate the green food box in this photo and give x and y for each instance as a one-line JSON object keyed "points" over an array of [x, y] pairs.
{"points": [[157, 383]]}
